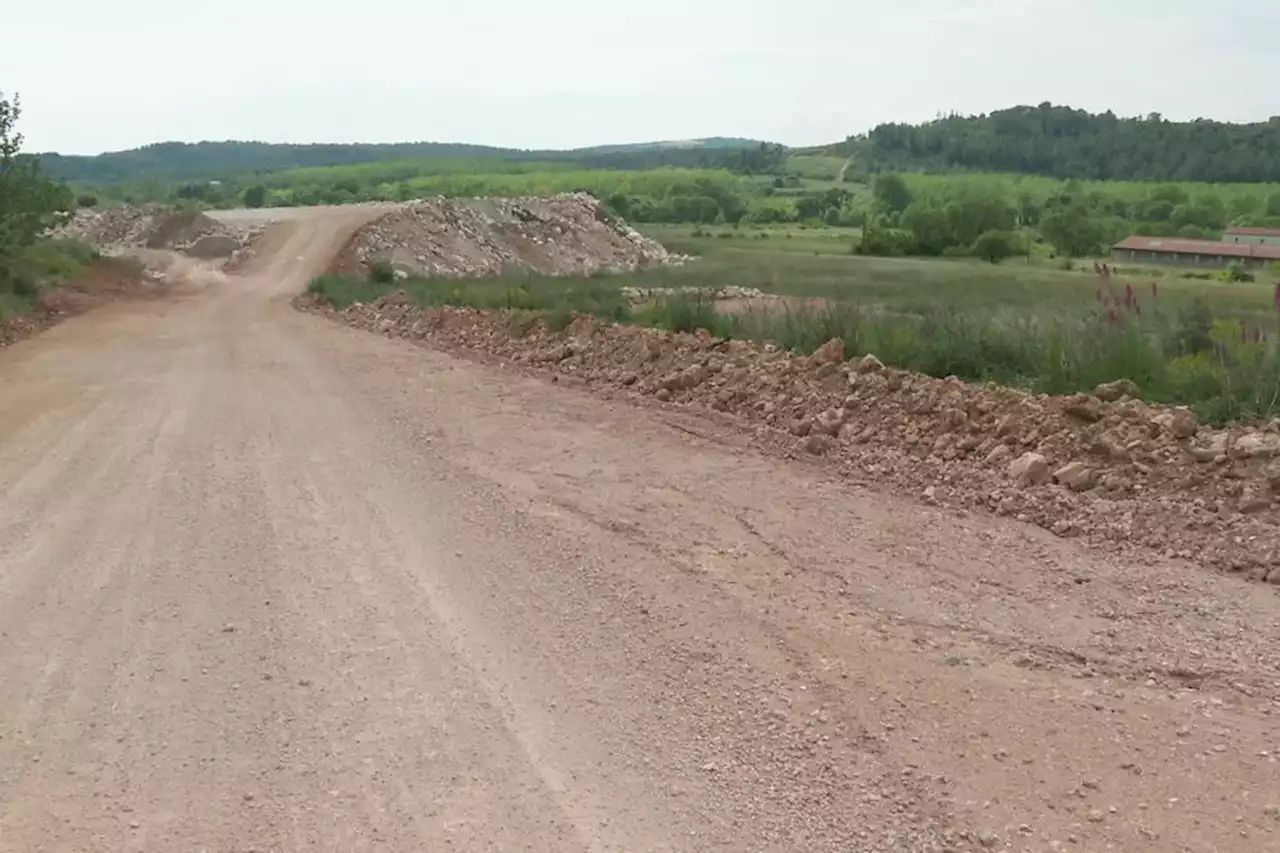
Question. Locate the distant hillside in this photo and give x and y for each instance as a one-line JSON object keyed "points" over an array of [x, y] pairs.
{"points": [[710, 143], [1061, 142], [205, 161]]}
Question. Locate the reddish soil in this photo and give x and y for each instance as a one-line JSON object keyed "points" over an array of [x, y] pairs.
{"points": [[103, 280], [271, 583], [1119, 471]]}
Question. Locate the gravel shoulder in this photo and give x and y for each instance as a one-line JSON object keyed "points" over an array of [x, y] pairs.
{"points": [[267, 582]]}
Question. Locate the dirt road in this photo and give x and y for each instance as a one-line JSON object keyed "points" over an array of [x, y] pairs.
{"points": [[269, 583]]}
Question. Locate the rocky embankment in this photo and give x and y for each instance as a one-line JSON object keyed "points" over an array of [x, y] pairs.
{"points": [[123, 229], [1105, 466], [470, 238]]}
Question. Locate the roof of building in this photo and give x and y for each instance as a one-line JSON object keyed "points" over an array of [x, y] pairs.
{"points": [[1255, 232], [1184, 246]]}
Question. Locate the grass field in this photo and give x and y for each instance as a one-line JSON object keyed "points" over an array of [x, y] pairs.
{"points": [[1211, 345], [383, 171], [817, 261], [45, 263], [815, 166]]}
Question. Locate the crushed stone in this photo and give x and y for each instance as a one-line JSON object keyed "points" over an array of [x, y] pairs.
{"points": [[570, 234], [123, 229], [1121, 471]]}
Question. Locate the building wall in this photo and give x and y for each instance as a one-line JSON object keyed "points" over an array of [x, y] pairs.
{"points": [[1178, 259], [1255, 239]]}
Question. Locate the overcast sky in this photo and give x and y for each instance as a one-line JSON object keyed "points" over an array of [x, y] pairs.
{"points": [[98, 76]]}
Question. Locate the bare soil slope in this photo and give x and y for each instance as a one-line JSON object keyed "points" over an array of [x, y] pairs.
{"points": [[270, 583], [104, 280]]}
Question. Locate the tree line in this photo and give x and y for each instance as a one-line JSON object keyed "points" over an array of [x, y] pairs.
{"points": [[30, 204], [1062, 142], [181, 162], [912, 214]]}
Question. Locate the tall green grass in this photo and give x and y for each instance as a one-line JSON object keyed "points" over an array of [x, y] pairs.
{"points": [[1211, 345], [44, 263]]}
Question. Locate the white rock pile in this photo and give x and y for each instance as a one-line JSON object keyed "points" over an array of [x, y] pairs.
{"points": [[640, 295], [124, 228], [563, 235]]}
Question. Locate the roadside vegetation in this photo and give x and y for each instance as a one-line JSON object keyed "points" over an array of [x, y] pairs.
{"points": [[1044, 181], [30, 204], [1210, 345], [968, 246]]}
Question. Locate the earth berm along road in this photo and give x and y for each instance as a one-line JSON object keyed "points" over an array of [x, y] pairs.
{"points": [[270, 583]]}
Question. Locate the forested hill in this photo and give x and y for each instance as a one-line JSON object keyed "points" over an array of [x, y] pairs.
{"points": [[1061, 142], [204, 161]]}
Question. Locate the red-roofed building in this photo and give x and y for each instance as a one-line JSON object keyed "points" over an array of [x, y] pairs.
{"points": [[1262, 236], [1177, 251]]}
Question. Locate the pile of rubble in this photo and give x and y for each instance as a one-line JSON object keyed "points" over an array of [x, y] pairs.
{"points": [[124, 228], [642, 295], [469, 238], [1105, 466]]}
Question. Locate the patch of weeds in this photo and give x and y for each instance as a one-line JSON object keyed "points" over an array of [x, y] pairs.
{"points": [[381, 272], [521, 323], [685, 312]]}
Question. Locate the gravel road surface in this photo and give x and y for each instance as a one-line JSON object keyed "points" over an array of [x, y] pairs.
{"points": [[269, 583]]}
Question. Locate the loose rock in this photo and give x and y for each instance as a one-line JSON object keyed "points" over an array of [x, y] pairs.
{"points": [[832, 352], [1112, 391], [870, 364], [981, 446], [1030, 469], [1076, 476]]}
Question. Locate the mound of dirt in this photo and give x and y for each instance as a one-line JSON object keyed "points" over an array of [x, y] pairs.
{"points": [[471, 238], [122, 228], [1105, 466], [104, 280]]}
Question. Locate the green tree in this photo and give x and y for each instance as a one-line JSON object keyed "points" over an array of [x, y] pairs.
{"points": [[1028, 210], [620, 204], [891, 193], [255, 196], [30, 204], [1072, 230], [931, 227], [1062, 142], [975, 213], [995, 246]]}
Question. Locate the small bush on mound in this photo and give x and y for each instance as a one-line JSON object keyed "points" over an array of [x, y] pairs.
{"points": [[381, 272]]}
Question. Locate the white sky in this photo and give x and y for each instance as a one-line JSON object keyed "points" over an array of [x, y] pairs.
{"points": [[98, 76]]}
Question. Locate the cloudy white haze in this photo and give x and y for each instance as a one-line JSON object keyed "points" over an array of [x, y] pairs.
{"points": [[100, 76]]}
